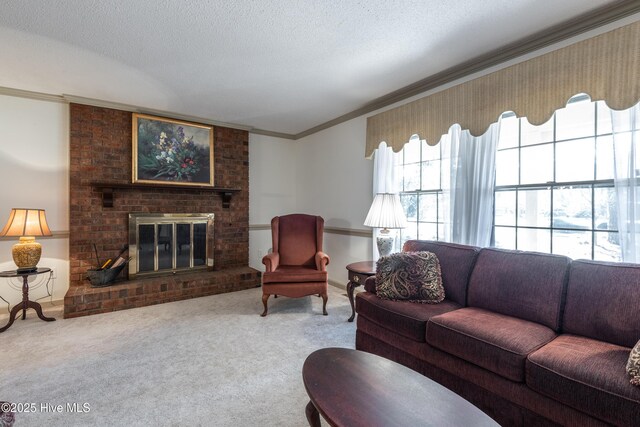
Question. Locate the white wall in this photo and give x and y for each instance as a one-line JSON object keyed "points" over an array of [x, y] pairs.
{"points": [[334, 180], [272, 189], [323, 174], [34, 173]]}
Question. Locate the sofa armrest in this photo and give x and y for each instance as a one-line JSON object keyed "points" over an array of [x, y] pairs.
{"points": [[322, 260], [370, 284], [271, 261]]}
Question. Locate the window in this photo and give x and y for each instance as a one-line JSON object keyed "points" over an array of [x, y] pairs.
{"points": [[554, 185], [421, 195]]}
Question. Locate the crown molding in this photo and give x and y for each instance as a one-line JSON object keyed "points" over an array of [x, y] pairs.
{"points": [[544, 38], [137, 109], [40, 96], [272, 133]]}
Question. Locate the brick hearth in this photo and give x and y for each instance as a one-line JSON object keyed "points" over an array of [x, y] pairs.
{"points": [[84, 300], [100, 151]]}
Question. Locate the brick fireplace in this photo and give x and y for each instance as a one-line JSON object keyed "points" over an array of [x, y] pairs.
{"points": [[100, 152]]}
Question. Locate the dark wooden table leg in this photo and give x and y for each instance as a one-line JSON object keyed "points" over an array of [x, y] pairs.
{"points": [[12, 316], [350, 287], [25, 295], [313, 416], [24, 305], [38, 308]]}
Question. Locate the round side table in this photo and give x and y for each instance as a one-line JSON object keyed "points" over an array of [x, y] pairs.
{"points": [[25, 304], [358, 273]]}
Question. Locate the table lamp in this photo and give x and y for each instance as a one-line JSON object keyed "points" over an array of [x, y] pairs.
{"points": [[386, 212], [26, 224]]}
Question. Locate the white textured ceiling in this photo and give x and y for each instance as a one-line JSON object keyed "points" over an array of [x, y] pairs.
{"points": [[278, 65]]}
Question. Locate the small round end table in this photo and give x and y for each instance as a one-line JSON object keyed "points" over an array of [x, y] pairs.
{"points": [[25, 304], [358, 273]]}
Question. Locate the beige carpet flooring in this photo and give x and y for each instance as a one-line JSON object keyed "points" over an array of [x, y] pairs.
{"points": [[209, 361]]}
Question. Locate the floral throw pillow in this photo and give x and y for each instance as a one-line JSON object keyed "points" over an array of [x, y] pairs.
{"points": [[410, 276], [633, 365]]}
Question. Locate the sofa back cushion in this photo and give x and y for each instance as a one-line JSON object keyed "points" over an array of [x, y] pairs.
{"points": [[603, 302], [527, 285], [456, 263]]}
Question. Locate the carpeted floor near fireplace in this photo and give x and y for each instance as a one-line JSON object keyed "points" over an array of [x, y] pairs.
{"points": [[209, 361]]}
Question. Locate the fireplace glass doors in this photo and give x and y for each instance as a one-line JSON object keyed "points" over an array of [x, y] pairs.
{"points": [[165, 243]]}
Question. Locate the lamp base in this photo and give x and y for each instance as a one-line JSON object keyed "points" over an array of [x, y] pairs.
{"points": [[385, 244], [26, 254]]}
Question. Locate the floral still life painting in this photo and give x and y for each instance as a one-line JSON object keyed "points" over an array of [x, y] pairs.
{"points": [[171, 151]]}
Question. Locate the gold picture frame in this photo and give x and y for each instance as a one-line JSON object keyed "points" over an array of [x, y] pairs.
{"points": [[171, 152]]}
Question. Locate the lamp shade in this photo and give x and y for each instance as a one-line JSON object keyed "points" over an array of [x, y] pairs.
{"points": [[386, 212], [26, 222]]}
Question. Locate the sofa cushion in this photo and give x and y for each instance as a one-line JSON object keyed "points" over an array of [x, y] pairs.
{"points": [[603, 302], [294, 274], [404, 318], [490, 340], [527, 285], [456, 263], [411, 276], [633, 364], [588, 375]]}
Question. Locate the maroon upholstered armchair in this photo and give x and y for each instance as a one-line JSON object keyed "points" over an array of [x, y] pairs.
{"points": [[297, 266]]}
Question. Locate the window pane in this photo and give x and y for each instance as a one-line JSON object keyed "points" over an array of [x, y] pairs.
{"points": [[604, 157], [604, 206], [509, 132], [507, 167], [572, 208], [410, 232], [427, 231], [537, 164], [430, 152], [604, 118], [607, 247], [505, 237], [534, 207], [411, 151], [431, 175], [428, 207], [574, 160], [576, 120], [531, 239], [574, 244], [536, 134], [441, 210], [505, 209], [411, 175], [410, 205]]}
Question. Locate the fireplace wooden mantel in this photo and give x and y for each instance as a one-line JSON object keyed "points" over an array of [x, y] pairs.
{"points": [[107, 190]]}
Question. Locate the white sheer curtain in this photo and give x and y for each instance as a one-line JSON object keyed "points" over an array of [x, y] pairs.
{"points": [[468, 183], [385, 180], [625, 125]]}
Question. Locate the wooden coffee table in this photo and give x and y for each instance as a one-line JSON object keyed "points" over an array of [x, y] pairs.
{"points": [[353, 388]]}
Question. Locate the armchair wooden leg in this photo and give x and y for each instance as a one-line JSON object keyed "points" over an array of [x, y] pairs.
{"points": [[265, 297], [324, 303]]}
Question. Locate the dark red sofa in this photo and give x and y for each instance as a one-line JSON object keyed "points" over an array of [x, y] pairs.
{"points": [[530, 338]]}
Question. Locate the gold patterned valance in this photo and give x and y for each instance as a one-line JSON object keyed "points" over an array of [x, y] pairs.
{"points": [[607, 67]]}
